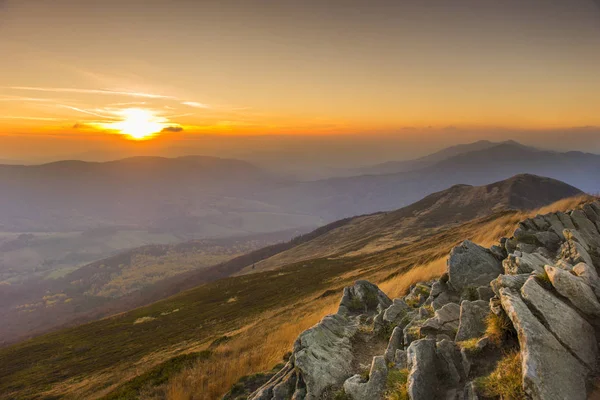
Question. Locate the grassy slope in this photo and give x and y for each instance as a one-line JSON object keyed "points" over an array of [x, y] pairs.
{"points": [[97, 357]]}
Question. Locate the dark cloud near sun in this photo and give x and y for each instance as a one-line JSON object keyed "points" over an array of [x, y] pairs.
{"points": [[173, 129]]}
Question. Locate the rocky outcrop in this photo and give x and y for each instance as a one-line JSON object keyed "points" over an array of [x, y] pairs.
{"points": [[470, 265], [543, 281], [323, 355], [561, 320]]}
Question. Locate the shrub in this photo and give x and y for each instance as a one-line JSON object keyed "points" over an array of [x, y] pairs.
{"points": [[397, 385], [505, 380], [498, 327], [470, 345]]}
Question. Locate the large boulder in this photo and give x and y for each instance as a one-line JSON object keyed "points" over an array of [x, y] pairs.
{"points": [[422, 377], [470, 265], [397, 312], [443, 322], [363, 297], [450, 363], [359, 389], [574, 288], [472, 319], [574, 332], [550, 372]]}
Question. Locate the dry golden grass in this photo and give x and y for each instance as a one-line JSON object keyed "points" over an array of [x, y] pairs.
{"points": [[257, 348], [398, 286]]}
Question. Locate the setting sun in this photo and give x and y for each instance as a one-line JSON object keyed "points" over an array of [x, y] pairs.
{"points": [[139, 123]]}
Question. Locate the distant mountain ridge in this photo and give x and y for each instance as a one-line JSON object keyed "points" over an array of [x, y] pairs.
{"points": [[342, 197], [393, 167]]}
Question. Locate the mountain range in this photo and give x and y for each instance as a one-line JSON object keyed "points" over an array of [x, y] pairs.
{"points": [[217, 304]]}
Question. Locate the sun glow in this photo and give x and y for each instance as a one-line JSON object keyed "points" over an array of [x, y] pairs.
{"points": [[139, 123]]}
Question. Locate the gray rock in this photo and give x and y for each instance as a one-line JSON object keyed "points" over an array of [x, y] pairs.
{"points": [[450, 363], [444, 321], [523, 263], [363, 297], [589, 276], [574, 288], [422, 378], [592, 215], [485, 293], [549, 240], [496, 305], [586, 228], [571, 330], [400, 361], [566, 220], [472, 319], [471, 265], [444, 298], [574, 252], [285, 377], [470, 392], [396, 312], [572, 234], [373, 389], [466, 362], [556, 225], [550, 372], [394, 344], [509, 281]]}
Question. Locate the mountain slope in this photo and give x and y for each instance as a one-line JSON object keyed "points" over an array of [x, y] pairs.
{"points": [[460, 203]]}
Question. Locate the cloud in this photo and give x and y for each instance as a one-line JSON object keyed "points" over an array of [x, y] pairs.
{"points": [[91, 91], [194, 104], [30, 118], [172, 129]]}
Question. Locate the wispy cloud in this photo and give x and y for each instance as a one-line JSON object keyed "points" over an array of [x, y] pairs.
{"points": [[92, 91], [195, 104], [85, 111], [32, 99], [30, 118]]}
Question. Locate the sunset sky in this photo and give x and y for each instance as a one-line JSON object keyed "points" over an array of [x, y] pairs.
{"points": [[88, 70]]}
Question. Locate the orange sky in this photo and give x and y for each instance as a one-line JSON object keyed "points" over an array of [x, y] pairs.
{"points": [[255, 67]]}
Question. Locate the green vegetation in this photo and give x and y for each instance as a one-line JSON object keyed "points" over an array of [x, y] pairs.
{"points": [[470, 293], [543, 279], [505, 381], [396, 385], [157, 376]]}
